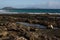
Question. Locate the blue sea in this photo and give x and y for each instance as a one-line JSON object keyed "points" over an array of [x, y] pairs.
{"points": [[36, 10], [31, 10]]}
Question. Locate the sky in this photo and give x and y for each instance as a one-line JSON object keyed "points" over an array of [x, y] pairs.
{"points": [[53, 4]]}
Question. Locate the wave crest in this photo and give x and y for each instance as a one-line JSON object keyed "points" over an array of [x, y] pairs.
{"points": [[7, 12]]}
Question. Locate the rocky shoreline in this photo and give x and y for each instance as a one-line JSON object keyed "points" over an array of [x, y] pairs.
{"points": [[13, 31], [41, 19], [10, 30]]}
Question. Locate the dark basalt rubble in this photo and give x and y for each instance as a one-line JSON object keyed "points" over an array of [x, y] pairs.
{"points": [[10, 30], [13, 31], [42, 19]]}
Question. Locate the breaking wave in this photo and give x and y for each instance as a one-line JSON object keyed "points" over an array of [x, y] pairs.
{"points": [[7, 12]]}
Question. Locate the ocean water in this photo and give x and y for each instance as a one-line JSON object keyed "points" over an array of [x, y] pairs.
{"points": [[30, 11], [36, 10], [32, 25]]}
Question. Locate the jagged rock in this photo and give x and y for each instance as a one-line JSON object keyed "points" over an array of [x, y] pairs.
{"points": [[10, 30], [21, 38], [12, 26]]}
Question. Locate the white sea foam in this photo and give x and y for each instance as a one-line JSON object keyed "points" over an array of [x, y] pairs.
{"points": [[36, 13], [2, 10], [7, 12]]}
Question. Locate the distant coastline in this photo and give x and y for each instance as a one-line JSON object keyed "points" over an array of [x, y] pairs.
{"points": [[28, 10]]}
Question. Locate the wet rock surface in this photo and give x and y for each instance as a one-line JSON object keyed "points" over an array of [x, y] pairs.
{"points": [[41, 19], [11, 30], [14, 31]]}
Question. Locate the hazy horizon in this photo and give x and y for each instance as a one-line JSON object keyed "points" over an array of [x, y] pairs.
{"points": [[45, 4]]}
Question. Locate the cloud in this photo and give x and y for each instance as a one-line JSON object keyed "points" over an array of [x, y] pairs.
{"points": [[54, 4]]}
